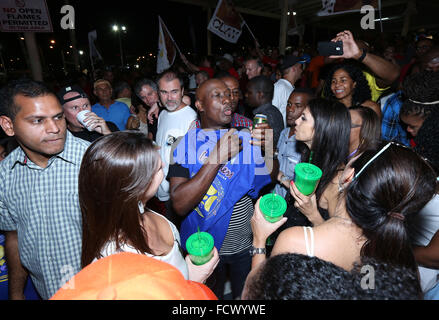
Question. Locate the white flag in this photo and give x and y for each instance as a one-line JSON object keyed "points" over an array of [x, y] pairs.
{"points": [[167, 52], [226, 22], [92, 36]]}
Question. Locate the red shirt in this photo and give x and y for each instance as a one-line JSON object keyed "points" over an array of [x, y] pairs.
{"points": [[233, 72], [272, 62], [208, 70]]}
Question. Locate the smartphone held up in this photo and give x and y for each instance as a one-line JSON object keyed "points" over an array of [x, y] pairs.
{"points": [[330, 48]]}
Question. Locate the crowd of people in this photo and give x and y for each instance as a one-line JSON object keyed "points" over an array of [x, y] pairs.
{"points": [[157, 158]]}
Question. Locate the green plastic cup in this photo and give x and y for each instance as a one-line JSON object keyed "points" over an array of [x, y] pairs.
{"points": [[307, 177], [200, 247], [273, 207]]}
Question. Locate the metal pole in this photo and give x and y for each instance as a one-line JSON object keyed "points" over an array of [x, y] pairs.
{"points": [[209, 37], [283, 26], [34, 57], [72, 34], [120, 45], [3, 61]]}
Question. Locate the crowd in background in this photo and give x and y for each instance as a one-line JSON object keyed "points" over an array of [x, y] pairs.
{"points": [[116, 181]]}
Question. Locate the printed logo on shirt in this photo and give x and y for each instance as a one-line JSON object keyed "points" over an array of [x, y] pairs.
{"points": [[226, 172], [170, 140], [211, 200]]}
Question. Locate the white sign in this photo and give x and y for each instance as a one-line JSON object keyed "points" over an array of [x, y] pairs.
{"points": [[226, 22], [24, 16]]}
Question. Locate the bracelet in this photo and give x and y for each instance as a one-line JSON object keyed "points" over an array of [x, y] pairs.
{"points": [[254, 251], [363, 55]]}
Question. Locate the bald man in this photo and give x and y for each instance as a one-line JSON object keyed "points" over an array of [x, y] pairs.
{"points": [[220, 189]]}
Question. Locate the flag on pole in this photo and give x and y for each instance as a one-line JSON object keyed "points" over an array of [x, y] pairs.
{"points": [[167, 48], [226, 22], [92, 36], [332, 7]]}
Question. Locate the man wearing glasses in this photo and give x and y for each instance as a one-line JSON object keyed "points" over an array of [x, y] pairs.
{"points": [[73, 100]]}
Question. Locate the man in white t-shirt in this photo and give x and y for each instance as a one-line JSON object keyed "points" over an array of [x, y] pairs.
{"points": [[291, 69], [173, 122]]}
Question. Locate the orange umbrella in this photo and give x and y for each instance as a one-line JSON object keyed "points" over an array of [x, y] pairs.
{"points": [[130, 276]]}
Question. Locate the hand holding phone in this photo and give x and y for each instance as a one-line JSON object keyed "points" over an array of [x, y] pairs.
{"points": [[330, 48]]}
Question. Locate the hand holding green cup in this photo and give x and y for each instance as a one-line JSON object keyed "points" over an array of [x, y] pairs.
{"points": [[200, 247], [273, 207], [307, 177]]}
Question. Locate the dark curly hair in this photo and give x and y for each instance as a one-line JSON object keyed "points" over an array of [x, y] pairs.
{"points": [[362, 90], [427, 141], [420, 88], [292, 276]]}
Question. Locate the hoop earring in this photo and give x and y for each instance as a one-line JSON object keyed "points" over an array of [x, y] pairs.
{"points": [[141, 207]]}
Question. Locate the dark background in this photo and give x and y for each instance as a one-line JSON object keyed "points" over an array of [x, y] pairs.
{"points": [[186, 23]]}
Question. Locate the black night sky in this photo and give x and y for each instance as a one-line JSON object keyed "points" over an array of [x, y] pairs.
{"points": [[187, 24]]}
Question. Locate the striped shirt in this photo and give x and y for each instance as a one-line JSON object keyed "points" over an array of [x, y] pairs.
{"points": [[239, 235], [42, 205]]}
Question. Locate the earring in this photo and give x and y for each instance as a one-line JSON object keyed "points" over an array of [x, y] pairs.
{"points": [[141, 207], [340, 188]]}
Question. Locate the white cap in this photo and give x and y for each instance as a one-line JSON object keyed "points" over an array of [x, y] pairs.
{"points": [[228, 56]]}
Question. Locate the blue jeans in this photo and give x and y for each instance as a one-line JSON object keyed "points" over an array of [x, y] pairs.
{"points": [[237, 266]]}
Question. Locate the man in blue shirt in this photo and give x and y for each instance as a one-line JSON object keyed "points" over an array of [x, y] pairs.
{"points": [[39, 206], [212, 183], [107, 108]]}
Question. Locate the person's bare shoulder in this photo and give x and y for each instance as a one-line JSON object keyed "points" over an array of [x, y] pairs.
{"points": [[291, 240]]}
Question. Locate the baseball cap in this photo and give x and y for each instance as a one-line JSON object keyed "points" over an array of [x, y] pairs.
{"points": [[101, 81], [131, 276], [71, 88], [291, 60], [228, 56]]}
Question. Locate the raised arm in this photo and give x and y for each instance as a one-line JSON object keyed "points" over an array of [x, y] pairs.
{"points": [[262, 229], [258, 50], [189, 64], [386, 71]]}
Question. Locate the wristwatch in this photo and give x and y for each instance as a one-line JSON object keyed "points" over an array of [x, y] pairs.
{"points": [[254, 251]]}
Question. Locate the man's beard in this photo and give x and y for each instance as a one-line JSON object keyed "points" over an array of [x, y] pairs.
{"points": [[173, 106]]}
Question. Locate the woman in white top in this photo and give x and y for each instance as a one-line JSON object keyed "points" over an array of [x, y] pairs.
{"points": [[381, 190], [139, 119], [119, 174]]}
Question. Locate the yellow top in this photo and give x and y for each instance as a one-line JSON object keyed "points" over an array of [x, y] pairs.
{"points": [[375, 90]]}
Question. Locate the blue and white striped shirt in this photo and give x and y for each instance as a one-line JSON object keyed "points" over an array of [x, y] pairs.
{"points": [[42, 205]]}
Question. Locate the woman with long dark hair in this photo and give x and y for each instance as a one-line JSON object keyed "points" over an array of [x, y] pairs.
{"points": [[380, 192], [388, 189], [119, 173], [347, 84], [323, 132]]}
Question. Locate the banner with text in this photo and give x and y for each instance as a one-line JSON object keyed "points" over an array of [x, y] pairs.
{"points": [[226, 22], [24, 16]]}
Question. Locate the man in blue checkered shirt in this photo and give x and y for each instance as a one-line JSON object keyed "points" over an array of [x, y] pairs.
{"points": [[39, 205]]}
